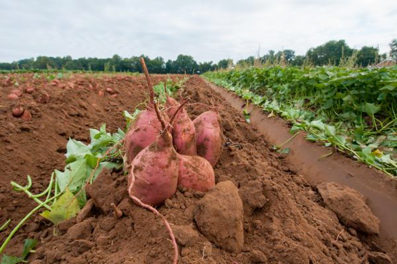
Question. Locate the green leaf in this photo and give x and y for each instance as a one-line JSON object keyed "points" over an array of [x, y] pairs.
{"points": [[348, 98], [370, 109], [284, 151], [76, 149], [28, 245], [318, 124], [91, 160], [382, 96], [328, 104], [73, 177], [101, 166], [388, 87], [63, 209], [330, 130], [311, 137], [10, 259], [350, 116], [295, 128]]}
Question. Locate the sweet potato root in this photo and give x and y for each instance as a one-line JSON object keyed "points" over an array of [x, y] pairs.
{"points": [[184, 134], [154, 172], [209, 136], [195, 173]]}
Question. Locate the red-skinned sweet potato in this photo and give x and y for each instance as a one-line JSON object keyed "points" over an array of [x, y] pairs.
{"points": [[171, 105], [154, 172], [209, 136], [142, 133], [146, 127], [184, 134], [195, 173]]}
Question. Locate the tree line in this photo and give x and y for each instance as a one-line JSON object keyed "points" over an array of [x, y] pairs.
{"points": [[331, 53]]}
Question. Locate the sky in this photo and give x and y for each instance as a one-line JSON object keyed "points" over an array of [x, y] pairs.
{"points": [[208, 30]]}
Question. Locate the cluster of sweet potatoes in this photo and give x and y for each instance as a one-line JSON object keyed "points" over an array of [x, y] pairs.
{"points": [[165, 148]]}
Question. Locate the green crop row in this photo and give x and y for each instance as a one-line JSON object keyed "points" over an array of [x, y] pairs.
{"points": [[354, 110]]}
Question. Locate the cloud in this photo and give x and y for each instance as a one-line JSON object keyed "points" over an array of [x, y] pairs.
{"points": [[206, 29]]}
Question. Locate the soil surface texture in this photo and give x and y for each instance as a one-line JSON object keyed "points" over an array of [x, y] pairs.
{"points": [[261, 210]]}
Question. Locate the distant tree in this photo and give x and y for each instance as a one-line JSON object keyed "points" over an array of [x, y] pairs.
{"points": [[205, 66], [270, 57], [73, 65], [393, 49], [6, 66], [184, 64], [115, 62], [224, 64], [44, 63], [298, 60], [329, 53], [289, 55], [169, 66], [156, 65], [367, 56], [26, 64]]}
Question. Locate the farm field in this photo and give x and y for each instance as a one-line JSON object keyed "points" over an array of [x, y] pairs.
{"points": [[286, 217]]}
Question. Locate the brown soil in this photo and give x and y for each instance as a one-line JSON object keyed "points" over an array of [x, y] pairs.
{"points": [[285, 219]]}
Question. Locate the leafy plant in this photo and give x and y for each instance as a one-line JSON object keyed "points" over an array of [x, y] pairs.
{"points": [[347, 108], [64, 195]]}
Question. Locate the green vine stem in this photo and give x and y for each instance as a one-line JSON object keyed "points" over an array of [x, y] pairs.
{"points": [[26, 188], [4, 226], [22, 222]]}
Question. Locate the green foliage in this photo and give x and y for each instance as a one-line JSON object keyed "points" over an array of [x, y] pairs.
{"points": [[64, 208], [28, 246], [171, 86], [130, 117], [352, 109], [83, 159]]}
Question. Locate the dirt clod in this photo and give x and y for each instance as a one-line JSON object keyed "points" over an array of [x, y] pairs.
{"points": [[350, 207], [379, 258], [258, 257], [252, 196], [26, 116], [80, 230], [85, 212], [103, 192], [219, 216]]}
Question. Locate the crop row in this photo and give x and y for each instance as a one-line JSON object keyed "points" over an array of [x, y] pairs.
{"points": [[352, 109]]}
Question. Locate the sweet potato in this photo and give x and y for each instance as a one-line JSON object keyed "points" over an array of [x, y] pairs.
{"points": [[146, 127], [153, 175], [195, 173], [154, 172], [184, 133], [171, 105], [142, 133], [209, 136], [18, 111], [17, 92], [12, 96]]}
